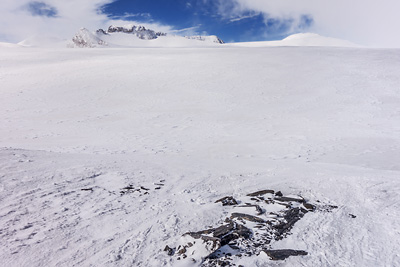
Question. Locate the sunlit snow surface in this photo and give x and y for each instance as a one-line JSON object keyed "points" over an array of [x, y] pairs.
{"points": [[205, 122]]}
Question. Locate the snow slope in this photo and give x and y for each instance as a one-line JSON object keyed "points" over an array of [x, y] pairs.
{"points": [[44, 41], [120, 39], [206, 123], [301, 39]]}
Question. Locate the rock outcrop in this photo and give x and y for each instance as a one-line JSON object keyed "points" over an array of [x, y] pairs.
{"points": [[256, 221], [85, 39]]}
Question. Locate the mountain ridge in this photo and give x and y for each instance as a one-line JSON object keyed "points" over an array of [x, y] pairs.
{"points": [[128, 35]]}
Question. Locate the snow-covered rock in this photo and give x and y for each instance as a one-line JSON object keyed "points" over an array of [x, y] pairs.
{"points": [[138, 36], [140, 31], [84, 39]]}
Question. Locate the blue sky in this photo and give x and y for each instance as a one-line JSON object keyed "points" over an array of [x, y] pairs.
{"points": [[367, 22], [205, 17]]}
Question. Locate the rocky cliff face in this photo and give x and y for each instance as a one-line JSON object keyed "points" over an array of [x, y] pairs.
{"points": [[140, 31]]}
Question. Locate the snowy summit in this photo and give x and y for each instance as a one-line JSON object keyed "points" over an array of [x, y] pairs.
{"points": [[133, 36]]}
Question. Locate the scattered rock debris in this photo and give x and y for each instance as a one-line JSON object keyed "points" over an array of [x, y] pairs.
{"points": [[227, 201], [129, 189], [141, 190], [170, 251], [261, 218], [87, 189]]}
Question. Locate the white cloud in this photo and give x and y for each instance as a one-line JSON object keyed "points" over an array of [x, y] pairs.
{"points": [[128, 15], [368, 22], [187, 31], [18, 22], [239, 18]]}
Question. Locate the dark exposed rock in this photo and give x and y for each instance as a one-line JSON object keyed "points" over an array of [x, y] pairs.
{"points": [[291, 216], [227, 201], [289, 199], [223, 230], [181, 251], [244, 235], [240, 231], [141, 190], [170, 251], [161, 34], [243, 231], [140, 31], [129, 187], [101, 31], [281, 254], [260, 193], [216, 232], [87, 189], [309, 206], [226, 233]]}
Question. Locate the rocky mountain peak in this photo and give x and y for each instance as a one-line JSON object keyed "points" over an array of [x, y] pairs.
{"points": [[85, 38], [140, 31]]}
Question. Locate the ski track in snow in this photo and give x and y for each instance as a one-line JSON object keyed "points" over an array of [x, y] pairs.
{"points": [[208, 122]]}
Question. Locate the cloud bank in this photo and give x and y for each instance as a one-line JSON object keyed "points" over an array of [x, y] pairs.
{"points": [[23, 19], [367, 22]]}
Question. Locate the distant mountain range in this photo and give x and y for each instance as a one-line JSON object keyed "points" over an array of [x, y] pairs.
{"points": [[133, 35]]}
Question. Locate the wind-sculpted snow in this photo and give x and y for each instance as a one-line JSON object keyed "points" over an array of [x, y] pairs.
{"points": [[109, 155]]}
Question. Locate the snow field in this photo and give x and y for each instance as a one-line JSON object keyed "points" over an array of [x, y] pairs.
{"points": [[317, 121]]}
